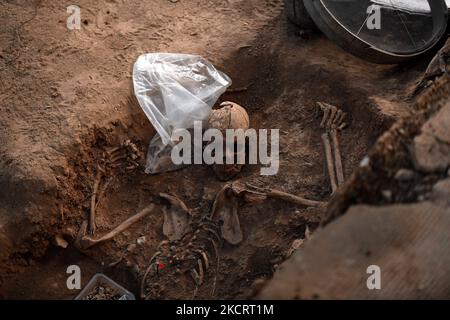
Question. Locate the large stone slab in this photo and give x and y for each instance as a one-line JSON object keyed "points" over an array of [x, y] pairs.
{"points": [[410, 243]]}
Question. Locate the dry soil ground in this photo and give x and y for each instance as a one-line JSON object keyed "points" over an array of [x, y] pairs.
{"points": [[66, 95]]}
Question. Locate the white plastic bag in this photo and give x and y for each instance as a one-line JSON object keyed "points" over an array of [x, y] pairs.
{"points": [[174, 90]]}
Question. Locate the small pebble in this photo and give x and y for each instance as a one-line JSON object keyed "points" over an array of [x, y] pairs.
{"points": [[404, 175], [387, 194], [365, 162], [141, 240]]}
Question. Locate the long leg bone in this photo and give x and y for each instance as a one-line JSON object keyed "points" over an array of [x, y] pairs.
{"points": [[333, 121], [337, 158], [87, 242], [276, 194], [262, 193], [102, 191], [329, 158], [97, 180]]}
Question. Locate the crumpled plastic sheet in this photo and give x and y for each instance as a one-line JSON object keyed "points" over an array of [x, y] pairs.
{"points": [[174, 90]]}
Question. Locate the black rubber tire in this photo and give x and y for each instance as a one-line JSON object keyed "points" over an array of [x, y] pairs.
{"points": [[297, 14]]}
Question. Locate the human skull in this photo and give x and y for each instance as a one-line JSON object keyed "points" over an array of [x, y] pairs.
{"points": [[229, 116]]}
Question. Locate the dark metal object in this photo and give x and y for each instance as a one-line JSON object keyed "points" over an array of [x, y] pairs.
{"points": [[405, 35]]}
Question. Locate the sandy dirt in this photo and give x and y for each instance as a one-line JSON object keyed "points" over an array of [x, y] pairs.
{"points": [[392, 213], [66, 96]]}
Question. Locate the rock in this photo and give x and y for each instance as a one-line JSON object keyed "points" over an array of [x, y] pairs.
{"points": [[404, 175], [141, 240], [441, 193], [387, 194], [60, 242], [435, 69], [406, 239], [364, 162], [431, 149]]}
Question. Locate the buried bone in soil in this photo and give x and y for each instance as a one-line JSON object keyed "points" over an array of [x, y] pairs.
{"points": [[233, 143]]}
